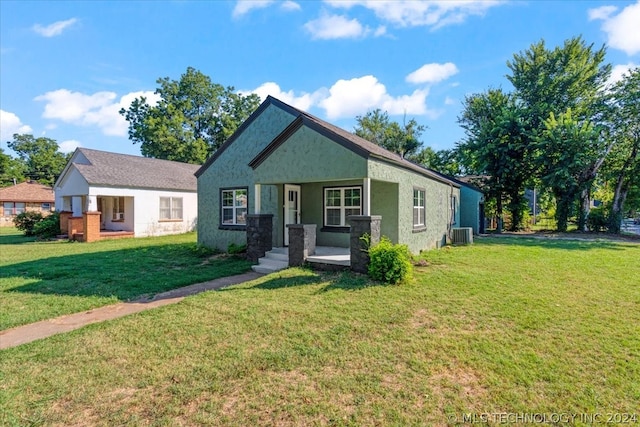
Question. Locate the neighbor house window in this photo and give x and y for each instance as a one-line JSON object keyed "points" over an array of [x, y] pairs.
{"points": [[418, 208], [340, 203], [234, 206], [13, 208], [118, 209], [170, 208], [45, 207]]}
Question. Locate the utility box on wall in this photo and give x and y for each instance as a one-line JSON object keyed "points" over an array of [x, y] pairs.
{"points": [[462, 236]]}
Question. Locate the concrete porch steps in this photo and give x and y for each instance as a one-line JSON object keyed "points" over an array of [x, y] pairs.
{"points": [[274, 260]]}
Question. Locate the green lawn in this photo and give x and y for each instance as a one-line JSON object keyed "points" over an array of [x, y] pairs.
{"points": [[508, 325], [41, 280]]}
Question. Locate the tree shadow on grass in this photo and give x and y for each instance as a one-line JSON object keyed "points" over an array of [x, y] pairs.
{"points": [[552, 242], [15, 239], [125, 273], [346, 281]]}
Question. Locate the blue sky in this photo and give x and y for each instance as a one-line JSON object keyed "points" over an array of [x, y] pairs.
{"points": [[67, 67]]}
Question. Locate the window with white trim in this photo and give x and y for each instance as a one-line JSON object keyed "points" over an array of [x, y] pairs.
{"points": [[45, 207], [418, 208], [234, 206], [13, 208], [340, 203], [170, 208]]}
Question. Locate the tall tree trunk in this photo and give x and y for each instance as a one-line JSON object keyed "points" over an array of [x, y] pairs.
{"points": [[619, 197], [585, 207], [563, 207], [622, 188], [499, 214]]}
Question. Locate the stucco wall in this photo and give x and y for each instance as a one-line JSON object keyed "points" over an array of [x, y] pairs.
{"points": [[73, 184], [437, 205], [308, 156], [231, 170]]}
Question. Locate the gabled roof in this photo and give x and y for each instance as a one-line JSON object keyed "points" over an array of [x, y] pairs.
{"points": [[123, 170], [29, 191], [347, 139]]}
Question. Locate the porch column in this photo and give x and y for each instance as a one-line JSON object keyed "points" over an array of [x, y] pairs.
{"points": [[259, 235], [92, 203], [91, 223], [302, 243], [361, 225], [256, 200], [366, 196]]}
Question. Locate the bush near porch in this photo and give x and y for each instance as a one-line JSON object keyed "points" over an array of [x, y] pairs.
{"points": [[506, 326]]}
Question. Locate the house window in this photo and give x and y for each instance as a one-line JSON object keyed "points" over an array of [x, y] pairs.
{"points": [[13, 208], [418, 208], [118, 209], [234, 206], [340, 203], [170, 208], [45, 207]]}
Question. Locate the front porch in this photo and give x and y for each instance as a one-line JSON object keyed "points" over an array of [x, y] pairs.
{"points": [[302, 247], [324, 258]]}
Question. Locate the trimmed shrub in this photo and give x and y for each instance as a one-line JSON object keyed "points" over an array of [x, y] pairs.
{"points": [[390, 263], [48, 227], [26, 221]]}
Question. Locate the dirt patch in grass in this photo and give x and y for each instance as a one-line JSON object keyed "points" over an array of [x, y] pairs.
{"points": [[460, 386]]}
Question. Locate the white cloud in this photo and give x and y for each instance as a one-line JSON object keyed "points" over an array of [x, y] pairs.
{"points": [[290, 6], [54, 29], [100, 109], [245, 6], [432, 73], [335, 27], [303, 101], [603, 12], [618, 71], [349, 98], [449, 101], [622, 29], [69, 145], [409, 13], [10, 124]]}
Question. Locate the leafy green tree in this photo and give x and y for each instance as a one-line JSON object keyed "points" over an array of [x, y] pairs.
{"points": [[192, 119], [10, 169], [443, 161], [623, 163], [496, 146], [570, 167], [40, 156], [375, 126], [561, 93]]}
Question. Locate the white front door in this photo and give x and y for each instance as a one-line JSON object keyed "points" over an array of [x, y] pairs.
{"points": [[291, 208]]}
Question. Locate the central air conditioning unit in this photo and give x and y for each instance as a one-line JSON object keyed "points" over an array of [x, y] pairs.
{"points": [[462, 236]]}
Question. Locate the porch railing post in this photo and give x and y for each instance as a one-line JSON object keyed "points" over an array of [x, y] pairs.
{"points": [[363, 225], [259, 235], [302, 243]]}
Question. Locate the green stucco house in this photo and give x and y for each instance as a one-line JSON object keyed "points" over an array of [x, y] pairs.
{"points": [[303, 170]]}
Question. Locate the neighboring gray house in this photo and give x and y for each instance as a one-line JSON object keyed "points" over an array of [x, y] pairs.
{"points": [[102, 194], [285, 162]]}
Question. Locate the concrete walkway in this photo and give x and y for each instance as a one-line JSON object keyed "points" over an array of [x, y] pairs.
{"points": [[46, 328]]}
